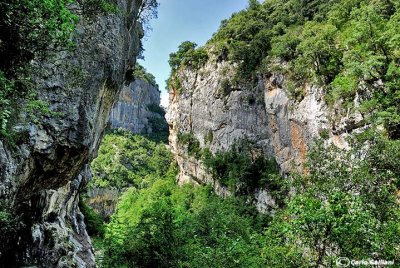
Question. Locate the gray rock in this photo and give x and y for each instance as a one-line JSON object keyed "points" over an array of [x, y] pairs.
{"points": [[279, 126], [103, 200], [40, 176], [135, 109]]}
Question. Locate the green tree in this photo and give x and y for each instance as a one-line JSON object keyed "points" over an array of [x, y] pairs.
{"points": [[168, 225], [187, 55], [125, 159], [345, 206]]}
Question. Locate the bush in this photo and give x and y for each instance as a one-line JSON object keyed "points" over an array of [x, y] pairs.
{"points": [[155, 108], [158, 125], [188, 55], [94, 223], [11, 226], [242, 172], [139, 72], [192, 143]]}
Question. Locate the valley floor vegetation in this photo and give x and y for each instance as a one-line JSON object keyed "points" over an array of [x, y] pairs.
{"points": [[345, 205]]}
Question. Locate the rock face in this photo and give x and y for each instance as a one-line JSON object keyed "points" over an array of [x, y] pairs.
{"points": [[104, 201], [40, 176], [218, 115], [138, 108]]}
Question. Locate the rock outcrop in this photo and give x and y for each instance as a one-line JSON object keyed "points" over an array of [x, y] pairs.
{"points": [[138, 108], [218, 115], [41, 175]]}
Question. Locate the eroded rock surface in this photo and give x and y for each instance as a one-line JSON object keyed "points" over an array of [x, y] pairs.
{"points": [[278, 125], [40, 175], [138, 109]]}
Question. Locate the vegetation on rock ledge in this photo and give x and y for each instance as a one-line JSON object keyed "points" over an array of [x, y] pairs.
{"points": [[349, 47]]}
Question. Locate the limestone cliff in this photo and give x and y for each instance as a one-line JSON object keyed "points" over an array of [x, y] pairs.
{"points": [[138, 108], [218, 115], [40, 176]]}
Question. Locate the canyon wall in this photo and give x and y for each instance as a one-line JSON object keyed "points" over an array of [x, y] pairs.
{"points": [[278, 125], [138, 108], [41, 174]]}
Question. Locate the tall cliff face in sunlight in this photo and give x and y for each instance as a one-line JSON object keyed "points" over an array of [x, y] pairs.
{"points": [[277, 125], [138, 109], [42, 174]]}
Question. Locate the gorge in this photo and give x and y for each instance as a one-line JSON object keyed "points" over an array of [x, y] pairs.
{"points": [[283, 138]]}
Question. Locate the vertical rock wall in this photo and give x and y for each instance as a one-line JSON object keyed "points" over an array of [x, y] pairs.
{"points": [[278, 125], [138, 108], [40, 175]]}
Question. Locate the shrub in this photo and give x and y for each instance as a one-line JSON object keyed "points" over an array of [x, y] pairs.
{"points": [[158, 125], [188, 55], [11, 226], [192, 143], [155, 108], [242, 172], [209, 137], [32, 29], [139, 72], [125, 159], [94, 223]]}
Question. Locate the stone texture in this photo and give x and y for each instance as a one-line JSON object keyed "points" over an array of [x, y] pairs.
{"points": [[133, 110], [278, 125], [40, 176], [103, 200]]}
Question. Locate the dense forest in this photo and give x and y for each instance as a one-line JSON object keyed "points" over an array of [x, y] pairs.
{"points": [[345, 206]]}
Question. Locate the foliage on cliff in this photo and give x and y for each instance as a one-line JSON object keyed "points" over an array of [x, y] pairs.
{"points": [[34, 29], [139, 72], [128, 160], [349, 47], [188, 55], [28, 29], [243, 169], [11, 226]]}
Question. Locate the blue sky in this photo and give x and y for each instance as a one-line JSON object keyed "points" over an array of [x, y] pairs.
{"points": [[178, 21]]}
